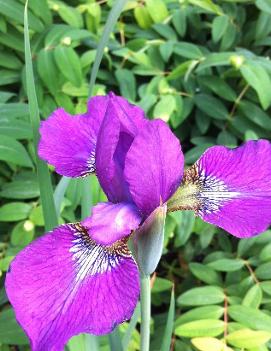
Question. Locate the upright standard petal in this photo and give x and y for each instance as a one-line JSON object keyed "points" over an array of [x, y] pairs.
{"points": [[153, 166], [69, 142], [230, 188], [64, 284], [117, 132], [111, 222], [131, 116]]}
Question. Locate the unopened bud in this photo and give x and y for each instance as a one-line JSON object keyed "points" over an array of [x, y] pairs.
{"points": [[149, 240], [28, 226], [66, 41], [237, 61], [55, 7]]}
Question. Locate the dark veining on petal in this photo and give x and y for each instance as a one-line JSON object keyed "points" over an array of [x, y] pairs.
{"points": [[120, 247], [200, 192]]}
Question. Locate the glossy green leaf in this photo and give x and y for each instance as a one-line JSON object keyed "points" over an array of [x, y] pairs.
{"points": [[20, 189], [157, 10], [253, 297], [255, 114], [201, 296], [127, 83], [264, 271], [15, 128], [70, 15], [250, 317], [205, 273], [143, 17], [265, 254], [161, 284], [14, 211], [227, 265], [210, 344], [211, 106], [48, 70], [208, 5], [10, 332], [204, 327], [69, 64], [194, 153], [15, 11], [258, 78], [165, 107], [219, 87], [186, 220], [204, 312], [22, 234], [188, 50], [264, 5], [219, 27], [13, 151], [246, 338], [13, 110]]}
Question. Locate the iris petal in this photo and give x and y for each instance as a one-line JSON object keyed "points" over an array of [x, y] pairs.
{"points": [[153, 166], [230, 188], [118, 130], [110, 222], [69, 142], [64, 284]]}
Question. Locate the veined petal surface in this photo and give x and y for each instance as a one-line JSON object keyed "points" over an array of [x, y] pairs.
{"points": [[111, 222], [231, 188], [118, 130], [69, 142], [64, 284], [153, 166]]}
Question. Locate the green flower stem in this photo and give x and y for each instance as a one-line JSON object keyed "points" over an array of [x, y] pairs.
{"points": [[145, 300]]}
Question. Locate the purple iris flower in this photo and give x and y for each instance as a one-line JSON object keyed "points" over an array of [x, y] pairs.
{"points": [[81, 277]]}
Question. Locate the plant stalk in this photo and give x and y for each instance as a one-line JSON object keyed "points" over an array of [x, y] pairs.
{"points": [[145, 301]]}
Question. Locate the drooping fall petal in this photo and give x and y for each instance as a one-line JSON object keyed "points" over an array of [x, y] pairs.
{"points": [[65, 283], [230, 188], [69, 142]]}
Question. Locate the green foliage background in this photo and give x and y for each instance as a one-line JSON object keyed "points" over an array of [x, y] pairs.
{"points": [[203, 66]]}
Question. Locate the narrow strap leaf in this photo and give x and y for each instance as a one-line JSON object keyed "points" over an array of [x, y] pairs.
{"points": [[91, 342], [46, 189], [132, 325], [170, 324], [115, 341], [110, 23], [60, 193], [86, 201]]}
